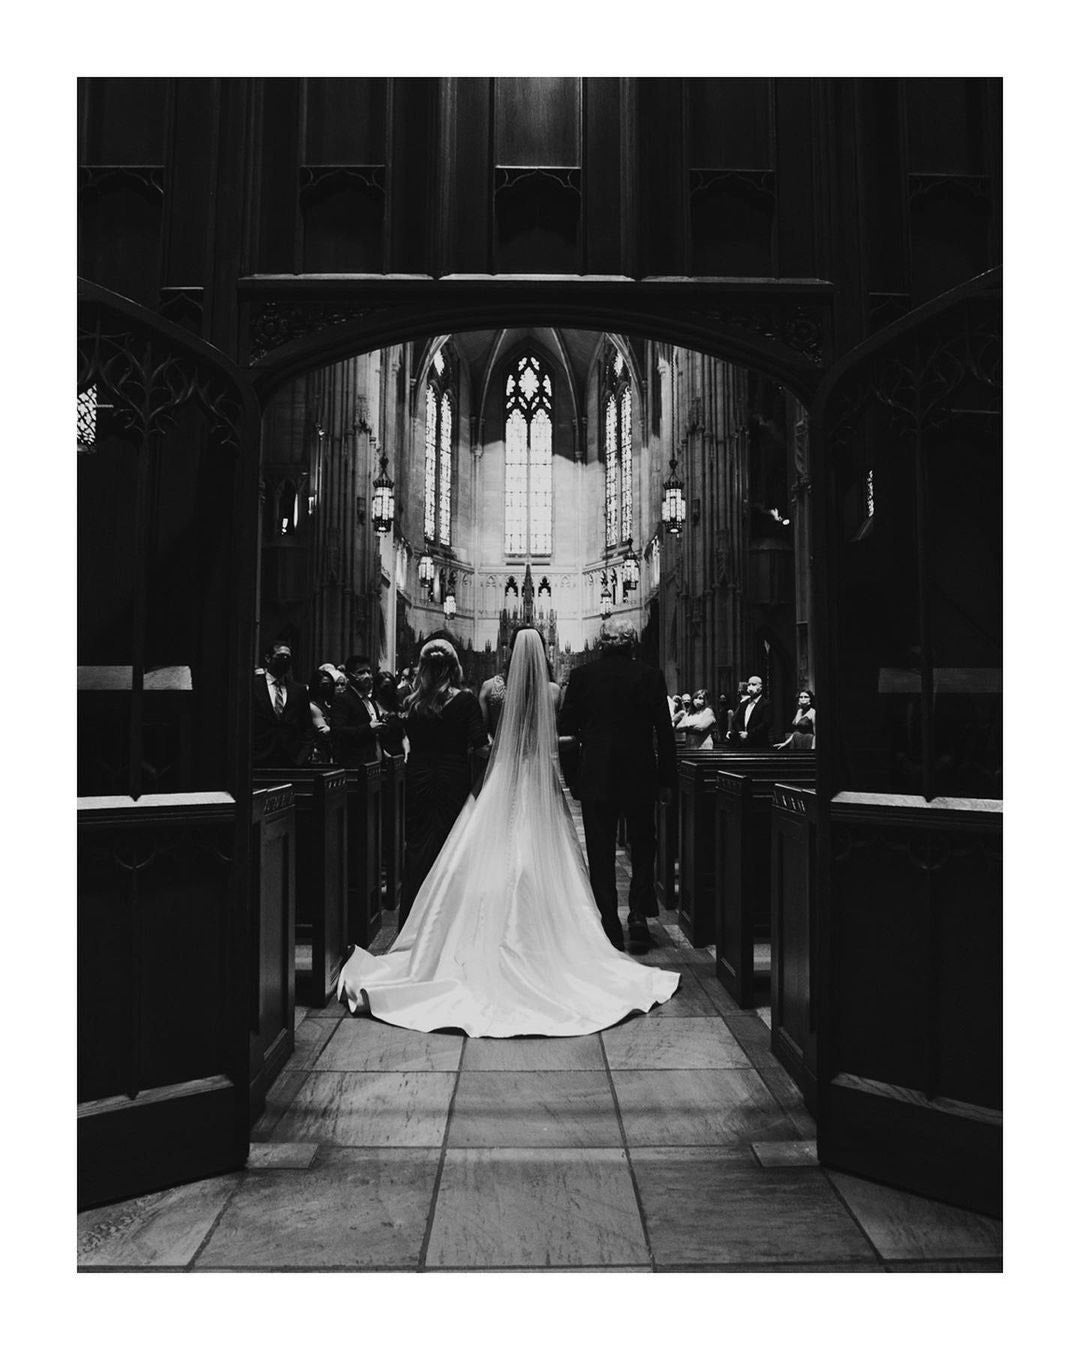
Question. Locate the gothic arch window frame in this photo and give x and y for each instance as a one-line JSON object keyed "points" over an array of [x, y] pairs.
{"points": [[529, 458], [617, 447], [440, 427]]}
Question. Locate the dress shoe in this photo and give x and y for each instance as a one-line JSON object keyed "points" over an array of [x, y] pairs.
{"points": [[641, 940], [615, 935]]}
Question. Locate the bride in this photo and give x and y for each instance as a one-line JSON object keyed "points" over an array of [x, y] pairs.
{"points": [[504, 937]]}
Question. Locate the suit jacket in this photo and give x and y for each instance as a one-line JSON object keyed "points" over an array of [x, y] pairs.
{"points": [[285, 741], [350, 730], [617, 707], [759, 730]]}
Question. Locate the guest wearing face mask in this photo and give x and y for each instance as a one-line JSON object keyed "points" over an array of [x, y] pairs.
{"points": [[699, 722], [321, 689], [356, 722], [752, 723], [282, 732]]}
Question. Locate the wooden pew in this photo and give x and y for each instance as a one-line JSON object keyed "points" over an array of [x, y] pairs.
{"points": [[667, 851], [322, 897], [162, 1077], [743, 840], [697, 770], [365, 794], [393, 829], [794, 931], [272, 932]]}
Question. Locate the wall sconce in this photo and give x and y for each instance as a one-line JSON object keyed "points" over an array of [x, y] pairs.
{"points": [[382, 500], [673, 510]]}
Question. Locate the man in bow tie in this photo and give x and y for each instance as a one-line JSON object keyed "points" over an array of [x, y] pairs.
{"points": [[282, 731]]}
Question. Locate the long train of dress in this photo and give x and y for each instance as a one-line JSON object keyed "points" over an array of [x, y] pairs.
{"points": [[504, 938]]}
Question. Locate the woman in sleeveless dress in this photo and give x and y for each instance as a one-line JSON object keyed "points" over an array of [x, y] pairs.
{"points": [[803, 734], [504, 937]]}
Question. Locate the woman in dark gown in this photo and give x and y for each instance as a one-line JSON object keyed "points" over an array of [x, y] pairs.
{"points": [[803, 734], [443, 724]]}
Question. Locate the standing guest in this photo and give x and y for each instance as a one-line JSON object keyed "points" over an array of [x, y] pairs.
{"points": [[700, 722], [385, 696], [356, 719], [281, 727], [321, 690], [443, 724], [615, 706], [340, 678], [803, 734], [752, 722], [404, 684]]}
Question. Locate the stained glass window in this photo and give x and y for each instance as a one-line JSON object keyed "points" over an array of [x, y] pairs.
{"points": [[439, 453], [528, 492], [618, 452]]}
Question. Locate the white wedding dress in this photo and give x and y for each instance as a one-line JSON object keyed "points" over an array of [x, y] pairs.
{"points": [[504, 937]]}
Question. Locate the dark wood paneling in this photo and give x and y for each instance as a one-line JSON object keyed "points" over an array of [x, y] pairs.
{"points": [[793, 973], [365, 852], [273, 892], [412, 174], [602, 175], [729, 123], [393, 828], [322, 836], [125, 120], [345, 121], [189, 205], [162, 1098], [661, 188], [538, 121], [795, 244], [468, 106], [279, 175]]}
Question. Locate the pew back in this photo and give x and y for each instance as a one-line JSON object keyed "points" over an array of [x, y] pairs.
{"points": [[272, 933], [794, 927]]}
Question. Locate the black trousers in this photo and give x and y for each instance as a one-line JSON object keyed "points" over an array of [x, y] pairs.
{"points": [[601, 821]]}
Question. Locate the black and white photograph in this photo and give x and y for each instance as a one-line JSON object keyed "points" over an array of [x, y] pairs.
{"points": [[538, 598]]}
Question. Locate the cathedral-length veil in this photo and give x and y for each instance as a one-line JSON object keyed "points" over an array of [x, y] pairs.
{"points": [[504, 937]]}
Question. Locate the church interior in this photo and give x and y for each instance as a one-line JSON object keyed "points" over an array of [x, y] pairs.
{"points": [[366, 361]]}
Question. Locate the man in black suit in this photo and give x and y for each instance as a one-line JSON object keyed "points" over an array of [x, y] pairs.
{"points": [[752, 724], [615, 706], [354, 719], [282, 731]]}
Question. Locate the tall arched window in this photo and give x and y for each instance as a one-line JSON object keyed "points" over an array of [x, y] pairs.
{"points": [[438, 451], [528, 458], [618, 452]]}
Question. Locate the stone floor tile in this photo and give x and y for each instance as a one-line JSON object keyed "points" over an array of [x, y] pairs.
{"points": [[533, 1053], [355, 1208], [766, 1016], [901, 1225], [779, 1083], [299, 1014], [536, 1208], [333, 1010], [786, 1152], [159, 1230], [310, 1037], [362, 1043], [280, 1155], [696, 1106], [721, 1000], [754, 1037], [735, 1212], [569, 1109], [689, 1000], [673, 1043], [283, 1089], [369, 1110], [983, 1265]]}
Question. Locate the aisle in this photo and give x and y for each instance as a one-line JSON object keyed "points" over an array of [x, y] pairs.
{"points": [[673, 1141]]}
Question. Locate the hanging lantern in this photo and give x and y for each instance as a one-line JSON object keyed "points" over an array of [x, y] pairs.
{"points": [[606, 598], [449, 602], [673, 511], [631, 569], [426, 572], [382, 501]]}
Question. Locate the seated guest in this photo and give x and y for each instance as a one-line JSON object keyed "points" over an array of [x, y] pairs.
{"points": [[355, 717], [281, 728], [751, 725], [321, 690], [699, 722], [803, 734]]}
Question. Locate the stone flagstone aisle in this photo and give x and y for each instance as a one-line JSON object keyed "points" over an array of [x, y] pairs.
{"points": [[673, 1141]]}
